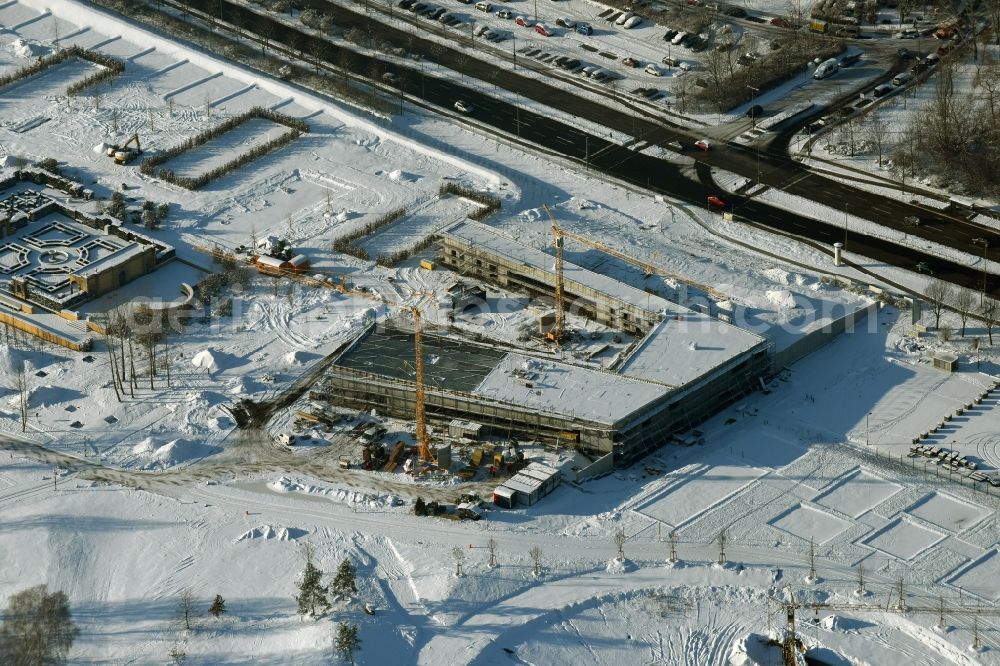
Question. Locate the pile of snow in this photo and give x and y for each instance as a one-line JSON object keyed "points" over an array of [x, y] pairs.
{"points": [[8, 161], [267, 532], [297, 357], [102, 148], [206, 360], [830, 623], [783, 299], [344, 216], [24, 48], [149, 455], [9, 361], [754, 650], [617, 566], [351, 497]]}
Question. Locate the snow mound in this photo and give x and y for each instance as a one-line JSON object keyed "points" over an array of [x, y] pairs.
{"points": [[267, 532], [753, 650], [147, 445], [297, 357], [344, 215], [206, 360], [24, 48], [8, 161], [172, 453], [830, 622], [286, 485], [616, 566], [9, 361], [102, 148], [783, 299]]}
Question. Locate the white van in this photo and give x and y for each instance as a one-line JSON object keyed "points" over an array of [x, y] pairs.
{"points": [[484, 6], [624, 17], [826, 69], [632, 22]]}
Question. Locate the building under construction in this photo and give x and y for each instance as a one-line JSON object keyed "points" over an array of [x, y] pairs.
{"points": [[685, 366]]}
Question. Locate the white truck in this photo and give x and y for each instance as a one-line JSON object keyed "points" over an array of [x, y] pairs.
{"points": [[826, 69]]}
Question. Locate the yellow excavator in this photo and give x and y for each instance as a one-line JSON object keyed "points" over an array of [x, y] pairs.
{"points": [[125, 153]]}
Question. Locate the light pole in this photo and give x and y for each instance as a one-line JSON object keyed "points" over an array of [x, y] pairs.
{"points": [[753, 120], [867, 441], [845, 225], [986, 244]]}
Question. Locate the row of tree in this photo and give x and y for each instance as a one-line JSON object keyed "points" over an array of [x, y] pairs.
{"points": [[314, 600]]}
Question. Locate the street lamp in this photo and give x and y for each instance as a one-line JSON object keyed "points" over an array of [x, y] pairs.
{"points": [[867, 441], [986, 244], [845, 225], [753, 120]]}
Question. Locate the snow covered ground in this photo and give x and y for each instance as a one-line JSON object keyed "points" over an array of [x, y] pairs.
{"points": [[177, 499]]}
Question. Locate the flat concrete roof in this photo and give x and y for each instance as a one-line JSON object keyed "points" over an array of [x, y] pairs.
{"points": [[477, 234], [556, 387], [683, 347], [448, 363]]}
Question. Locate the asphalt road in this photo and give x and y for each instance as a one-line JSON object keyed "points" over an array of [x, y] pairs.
{"points": [[645, 171]]}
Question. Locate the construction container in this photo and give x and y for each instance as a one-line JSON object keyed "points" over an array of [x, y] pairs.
{"points": [[272, 266], [427, 265], [460, 428], [299, 263]]}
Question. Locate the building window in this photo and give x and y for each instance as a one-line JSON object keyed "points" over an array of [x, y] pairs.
{"points": [[454, 253], [478, 262]]}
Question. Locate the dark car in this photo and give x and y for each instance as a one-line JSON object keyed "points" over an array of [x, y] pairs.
{"points": [[735, 12], [882, 91], [924, 267], [405, 4], [755, 111], [436, 14], [669, 34]]}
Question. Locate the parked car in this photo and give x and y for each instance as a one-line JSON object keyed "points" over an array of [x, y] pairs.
{"points": [[437, 13], [883, 90], [677, 145], [703, 144], [715, 201], [570, 64], [418, 7], [755, 111], [630, 62], [624, 17], [653, 70], [584, 29], [676, 39], [735, 12], [669, 34], [925, 268], [589, 70], [632, 22], [505, 14], [867, 101], [780, 22], [463, 107], [565, 23], [484, 6], [901, 79], [405, 4], [542, 30], [480, 30], [523, 22]]}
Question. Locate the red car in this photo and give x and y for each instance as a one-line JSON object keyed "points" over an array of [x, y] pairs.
{"points": [[542, 30], [703, 144], [716, 201], [630, 62], [523, 22]]}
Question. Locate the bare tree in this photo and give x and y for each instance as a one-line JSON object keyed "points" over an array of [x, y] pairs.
{"points": [[491, 546], [990, 314], [21, 385], [536, 560], [37, 628], [965, 300], [878, 134], [939, 294], [861, 579], [459, 554], [185, 608], [619, 539], [722, 547]]}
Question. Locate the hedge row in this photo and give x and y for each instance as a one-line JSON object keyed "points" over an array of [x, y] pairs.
{"points": [[112, 67], [345, 244], [396, 257], [490, 203], [298, 127]]}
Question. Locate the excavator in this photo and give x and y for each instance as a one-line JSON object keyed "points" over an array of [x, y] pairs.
{"points": [[124, 154]]}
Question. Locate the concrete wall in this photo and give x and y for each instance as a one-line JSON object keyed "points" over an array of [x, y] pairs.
{"points": [[814, 340], [480, 262]]}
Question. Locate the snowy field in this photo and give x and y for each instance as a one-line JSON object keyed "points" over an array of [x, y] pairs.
{"points": [[176, 498]]}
